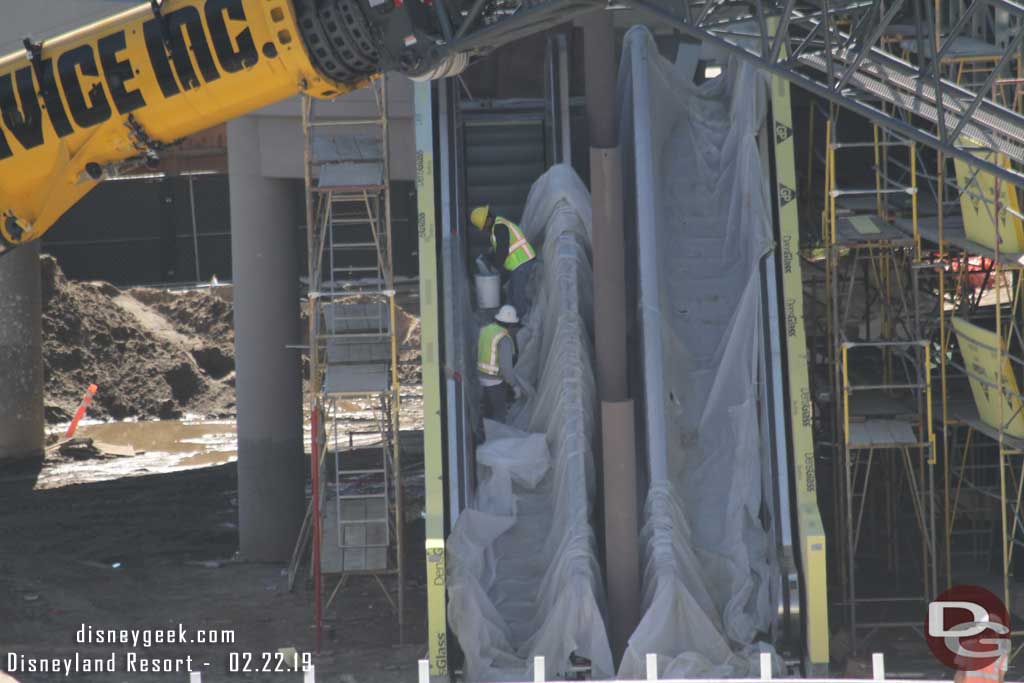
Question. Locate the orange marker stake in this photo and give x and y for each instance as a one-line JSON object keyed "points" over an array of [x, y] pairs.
{"points": [[80, 413]]}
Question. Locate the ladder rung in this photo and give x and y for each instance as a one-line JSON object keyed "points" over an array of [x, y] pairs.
{"points": [[348, 473], [355, 269], [354, 196], [365, 331], [360, 496], [353, 246], [350, 221], [365, 318], [354, 193], [344, 122], [352, 160], [339, 333], [364, 521]]}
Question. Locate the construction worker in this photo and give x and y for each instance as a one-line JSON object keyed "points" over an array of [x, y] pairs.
{"points": [[497, 354], [511, 251], [995, 670]]}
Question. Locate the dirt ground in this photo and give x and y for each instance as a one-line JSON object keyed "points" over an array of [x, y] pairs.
{"points": [[155, 551], [146, 538]]}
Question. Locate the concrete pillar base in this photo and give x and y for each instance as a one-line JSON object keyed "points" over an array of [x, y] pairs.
{"points": [[268, 384], [269, 511]]}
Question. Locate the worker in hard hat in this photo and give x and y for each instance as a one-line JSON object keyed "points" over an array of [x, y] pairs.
{"points": [[497, 354], [983, 655], [511, 251]]}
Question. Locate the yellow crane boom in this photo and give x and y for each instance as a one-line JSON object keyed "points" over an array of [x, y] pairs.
{"points": [[109, 96]]}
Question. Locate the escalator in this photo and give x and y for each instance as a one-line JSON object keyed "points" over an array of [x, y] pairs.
{"points": [[720, 580]]}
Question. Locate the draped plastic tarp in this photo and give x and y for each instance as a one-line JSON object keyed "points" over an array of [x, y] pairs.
{"points": [[523, 576], [703, 222]]}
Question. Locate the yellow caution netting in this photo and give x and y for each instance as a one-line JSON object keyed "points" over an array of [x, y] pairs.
{"points": [[978, 347], [978, 204]]}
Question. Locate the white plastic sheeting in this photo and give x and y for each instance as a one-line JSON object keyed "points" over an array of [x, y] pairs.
{"points": [[703, 223], [523, 577]]}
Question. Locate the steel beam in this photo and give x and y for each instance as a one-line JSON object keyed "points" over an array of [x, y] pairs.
{"points": [[816, 65]]}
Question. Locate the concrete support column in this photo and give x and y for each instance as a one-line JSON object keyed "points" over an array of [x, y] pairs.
{"points": [[21, 355], [618, 447], [265, 261]]}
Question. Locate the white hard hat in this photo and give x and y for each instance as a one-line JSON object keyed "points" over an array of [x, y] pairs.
{"points": [[507, 314]]}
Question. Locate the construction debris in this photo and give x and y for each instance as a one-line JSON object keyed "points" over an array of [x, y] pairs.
{"points": [[84, 448], [78, 449]]}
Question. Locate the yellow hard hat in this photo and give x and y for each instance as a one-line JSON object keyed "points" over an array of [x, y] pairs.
{"points": [[478, 216]]}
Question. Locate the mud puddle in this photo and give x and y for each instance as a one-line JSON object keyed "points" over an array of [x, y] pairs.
{"points": [[134, 448], [159, 446]]}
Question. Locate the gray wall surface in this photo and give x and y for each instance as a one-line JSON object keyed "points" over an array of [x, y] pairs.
{"points": [[43, 19], [281, 141]]}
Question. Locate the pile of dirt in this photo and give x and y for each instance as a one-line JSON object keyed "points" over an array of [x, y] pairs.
{"points": [[203, 314], [154, 353], [146, 364]]}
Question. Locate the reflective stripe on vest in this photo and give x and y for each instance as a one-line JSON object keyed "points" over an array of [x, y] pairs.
{"points": [[519, 249], [992, 672], [487, 349]]}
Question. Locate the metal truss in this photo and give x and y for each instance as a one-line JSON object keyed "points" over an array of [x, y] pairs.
{"points": [[838, 50], [841, 50]]}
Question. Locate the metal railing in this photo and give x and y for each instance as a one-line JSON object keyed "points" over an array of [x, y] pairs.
{"points": [[765, 673]]}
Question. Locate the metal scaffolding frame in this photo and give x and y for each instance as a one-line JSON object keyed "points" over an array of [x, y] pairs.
{"points": [[353, 353], [979, 344], [881, 387]]}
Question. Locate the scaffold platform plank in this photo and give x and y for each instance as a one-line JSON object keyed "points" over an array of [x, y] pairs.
{"points": [[861, 228], [346, 380], [353, 175], [882, 434]]}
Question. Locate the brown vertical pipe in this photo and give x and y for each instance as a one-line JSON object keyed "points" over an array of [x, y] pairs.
{"points": [[599, 72], [622, 555], [608, 244], [622, 551]]}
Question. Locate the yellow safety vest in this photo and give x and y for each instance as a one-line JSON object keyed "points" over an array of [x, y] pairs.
{"points": [[487, 349], [519, 249], [989, 674]]}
